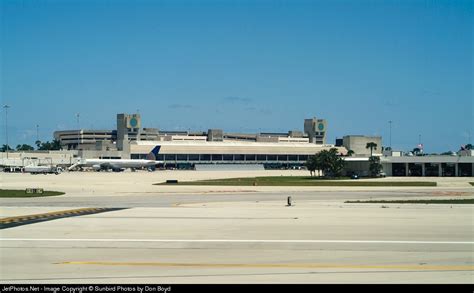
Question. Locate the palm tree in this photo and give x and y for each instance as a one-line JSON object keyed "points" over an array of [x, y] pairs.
{"points": [[350, 153], [55, 145], [24, 147], [372, 146], [5, 148]]}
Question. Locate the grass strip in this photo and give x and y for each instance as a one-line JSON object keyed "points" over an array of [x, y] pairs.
{"points": [[300, 181], [421, 201], [5, 193]]}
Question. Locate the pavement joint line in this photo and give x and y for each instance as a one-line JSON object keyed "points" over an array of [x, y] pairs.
{"points": [[273, 265], [240, 241]]}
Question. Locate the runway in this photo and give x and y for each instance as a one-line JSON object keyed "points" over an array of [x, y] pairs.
{"points": [[193, 234], [246, 242]]}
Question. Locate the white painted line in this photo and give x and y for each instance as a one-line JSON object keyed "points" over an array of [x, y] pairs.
{"points": [[236, 241]]}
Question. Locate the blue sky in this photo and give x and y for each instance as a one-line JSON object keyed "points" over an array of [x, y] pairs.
{"points": [[241, 66]]}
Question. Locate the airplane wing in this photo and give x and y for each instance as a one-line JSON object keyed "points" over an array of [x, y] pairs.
{"points": [[106, 166], [116, 167]]}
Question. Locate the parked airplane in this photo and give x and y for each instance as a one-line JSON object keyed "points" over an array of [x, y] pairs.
{"points": [[119, 164]]}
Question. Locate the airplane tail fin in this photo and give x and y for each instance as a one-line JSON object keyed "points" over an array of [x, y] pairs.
{"points": [[154, 153]]}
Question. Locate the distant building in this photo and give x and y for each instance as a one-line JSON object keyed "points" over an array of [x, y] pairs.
{"points": [[190, 149], [116, 143], [84, 139], [315, 129], [186, 148], [358, 143]]}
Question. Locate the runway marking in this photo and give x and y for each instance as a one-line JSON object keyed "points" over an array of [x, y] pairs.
{"points": [[237, 241], [287, 265]]}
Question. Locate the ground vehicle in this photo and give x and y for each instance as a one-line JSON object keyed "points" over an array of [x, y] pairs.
{"points": [[12, 169], [42, 170]]}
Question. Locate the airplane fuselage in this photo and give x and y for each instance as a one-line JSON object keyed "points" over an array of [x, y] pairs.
{"points": [[114, 164], [120, 163]]}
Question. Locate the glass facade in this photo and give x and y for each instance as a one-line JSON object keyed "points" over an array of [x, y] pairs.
{"points": [[226, 158]]}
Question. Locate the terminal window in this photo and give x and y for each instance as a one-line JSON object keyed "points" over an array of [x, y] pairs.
{"points": [[182, 157], [170, 157], [238, 157], [217, 157], [194, 157], [292, 157], [271, 157], [250, 157]]}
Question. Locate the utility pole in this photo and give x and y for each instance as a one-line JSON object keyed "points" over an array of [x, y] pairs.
{"points": [[6, 126], [37, 132]]}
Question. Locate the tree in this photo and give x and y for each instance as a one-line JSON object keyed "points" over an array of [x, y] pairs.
{"points": [[328, 161], [350, 153], [372, 146], [44, 146], [417, 151], [374, 166], [5, 147], [48, 146], [24, 147], [313, 164], [55, 145]]}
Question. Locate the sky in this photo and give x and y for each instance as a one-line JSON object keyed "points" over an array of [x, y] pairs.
{"points": [[242, 66]]}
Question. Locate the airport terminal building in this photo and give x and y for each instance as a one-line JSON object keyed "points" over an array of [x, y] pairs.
{"points": [[186, 149], [215, 148]]}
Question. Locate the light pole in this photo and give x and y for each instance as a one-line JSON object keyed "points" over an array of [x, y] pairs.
{"points": [[77, 118], [37, 132], [390, 123], [6, 126], [420, 146]]}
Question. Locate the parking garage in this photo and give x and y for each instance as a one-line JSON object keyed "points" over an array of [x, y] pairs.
{"points": [[431, 166]]}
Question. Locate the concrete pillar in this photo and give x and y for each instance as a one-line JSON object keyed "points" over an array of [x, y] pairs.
{"points": [[440, 169], [456, 170], [406, 169], [423, 169], [387, 168]]}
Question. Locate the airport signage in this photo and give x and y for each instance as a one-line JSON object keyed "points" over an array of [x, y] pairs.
{"points": [[34, 190]]}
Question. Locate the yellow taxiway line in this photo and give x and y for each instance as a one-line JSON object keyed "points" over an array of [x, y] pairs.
{"points": [[289, 265]]}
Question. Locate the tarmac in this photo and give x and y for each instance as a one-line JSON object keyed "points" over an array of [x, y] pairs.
{"points": [[226, 234]]}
